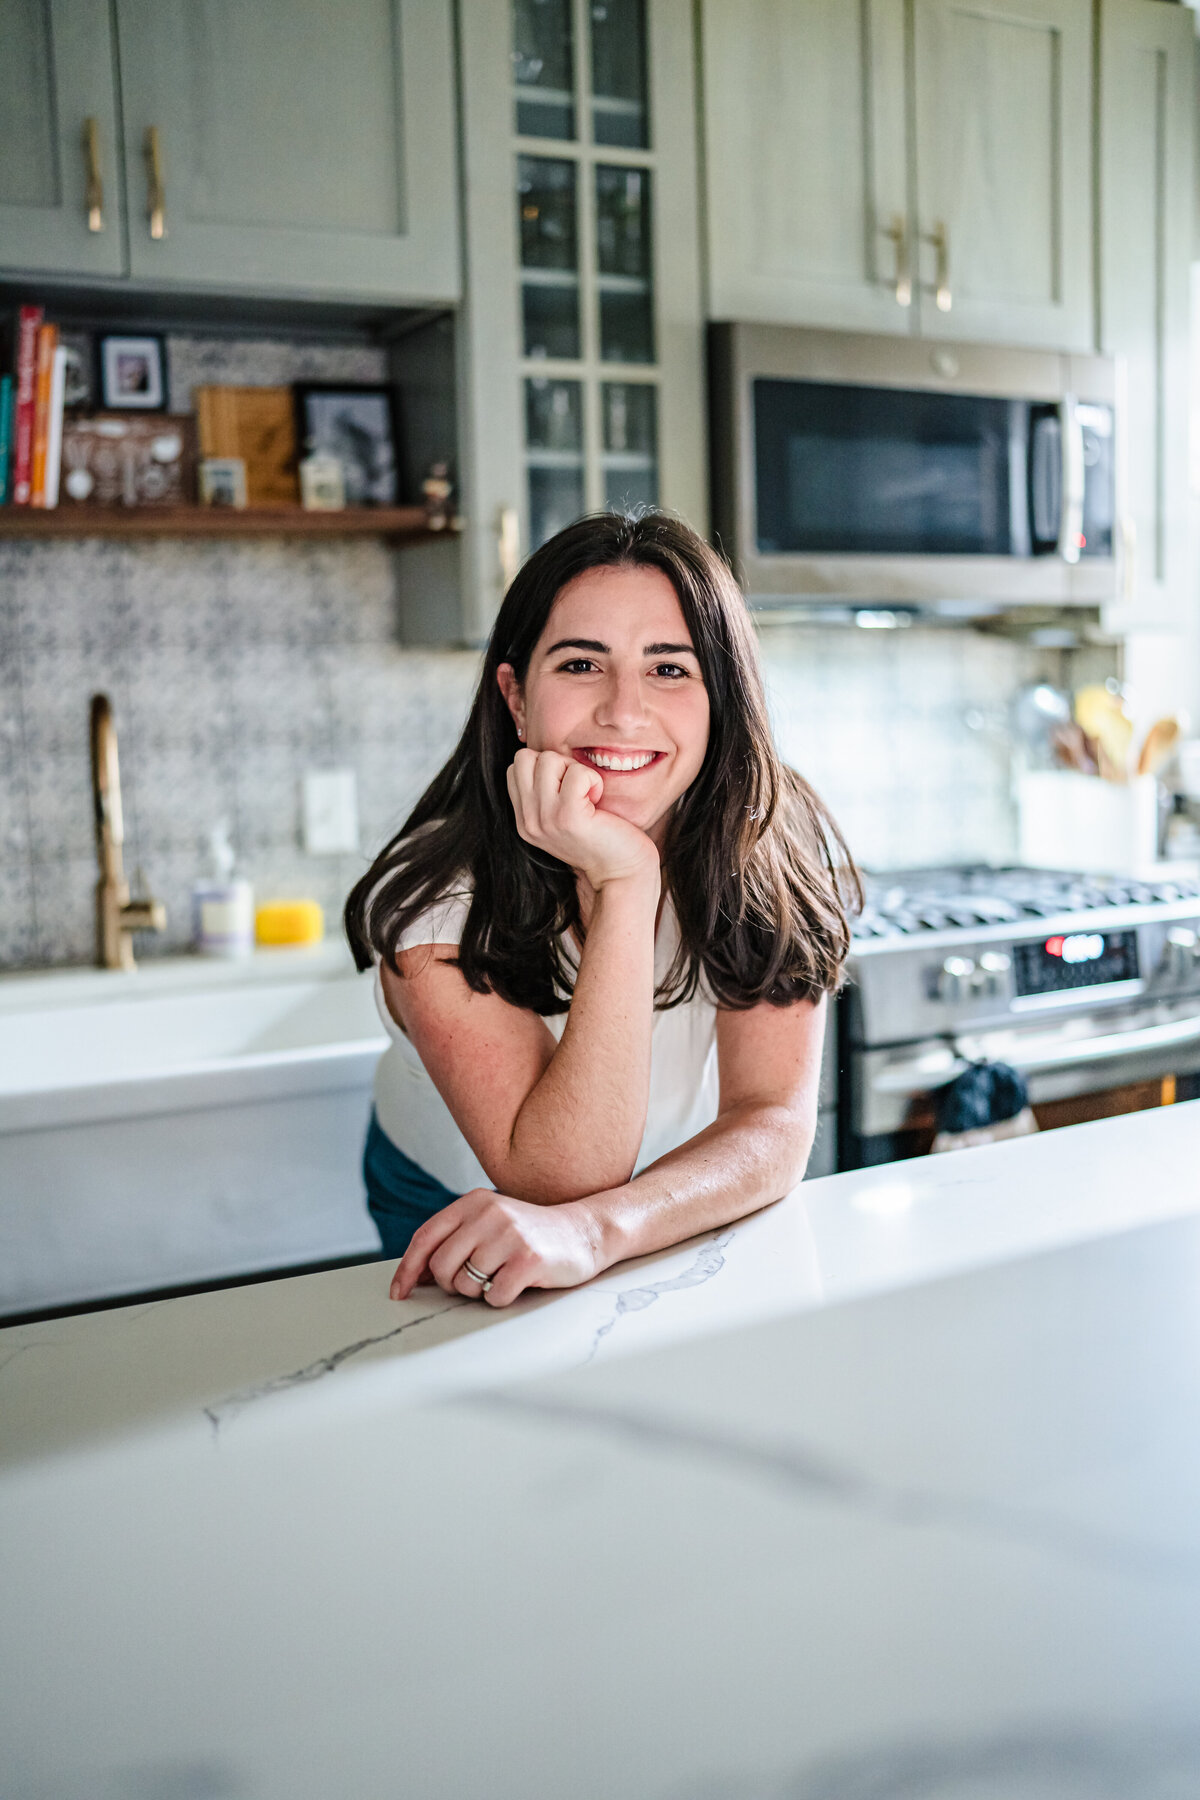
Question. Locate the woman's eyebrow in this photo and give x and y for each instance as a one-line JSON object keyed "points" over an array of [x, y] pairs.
{"points": [[605, 649]]}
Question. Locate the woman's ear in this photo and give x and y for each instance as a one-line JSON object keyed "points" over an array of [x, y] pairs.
{"points": [[510, 687]]}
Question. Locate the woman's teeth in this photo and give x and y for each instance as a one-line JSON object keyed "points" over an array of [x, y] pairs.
{"points": [[603, 759]]}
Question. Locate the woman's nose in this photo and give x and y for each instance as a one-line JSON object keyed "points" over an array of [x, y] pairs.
{"points": [[622, 706]]}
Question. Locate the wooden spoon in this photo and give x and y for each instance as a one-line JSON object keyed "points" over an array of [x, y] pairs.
{"points": [[1161, 741]]}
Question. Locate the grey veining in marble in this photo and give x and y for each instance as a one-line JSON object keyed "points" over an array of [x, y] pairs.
{"points": [[808, 1473], [1158, 1759], [231, 1405], [709, 1262]]}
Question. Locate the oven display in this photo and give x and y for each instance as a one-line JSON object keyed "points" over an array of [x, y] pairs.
{"points": [[1082, 959]]}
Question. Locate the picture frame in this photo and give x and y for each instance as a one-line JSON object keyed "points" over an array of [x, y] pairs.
{"points": [[222, 481], [355, 422], [133, 373], [79, 373]]}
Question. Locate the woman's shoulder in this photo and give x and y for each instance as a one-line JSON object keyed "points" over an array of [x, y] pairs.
{"points": [[442, 918]]}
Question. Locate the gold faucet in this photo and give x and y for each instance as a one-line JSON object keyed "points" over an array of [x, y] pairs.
{"points": [[117, 916]]}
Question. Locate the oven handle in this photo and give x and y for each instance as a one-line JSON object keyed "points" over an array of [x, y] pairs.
{"points": [[912, 1078], [1074, 477]]}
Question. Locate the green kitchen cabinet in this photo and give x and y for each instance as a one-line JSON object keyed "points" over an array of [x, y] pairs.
{"points": [[1146, 152], [291, 146], [1002, 93], [901, 165], [60, 194], [807, 163], [581, 330]]}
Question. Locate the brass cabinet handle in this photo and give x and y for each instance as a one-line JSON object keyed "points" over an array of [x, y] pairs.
{"points": [[156, 193], [897, 232], [508, 545], [93, 197], [940, 239]]}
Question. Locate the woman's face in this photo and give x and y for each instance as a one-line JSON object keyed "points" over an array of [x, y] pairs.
{"points": [[614, 683]]}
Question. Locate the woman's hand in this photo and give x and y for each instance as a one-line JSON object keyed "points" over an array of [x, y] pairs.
{"points": [[557, 807], [515, 1244]]}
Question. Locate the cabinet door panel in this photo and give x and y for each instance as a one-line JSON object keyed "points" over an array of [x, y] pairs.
{"points": [[806, 165], [56, 70], [1146, 151], [1003, 108], [303, 146]]}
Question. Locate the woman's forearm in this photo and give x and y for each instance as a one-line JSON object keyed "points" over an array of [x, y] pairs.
{"points": [[581, 1125], [750, 1156]]}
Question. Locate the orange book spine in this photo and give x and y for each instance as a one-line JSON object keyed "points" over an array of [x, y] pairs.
{"points": [[46, 346]]}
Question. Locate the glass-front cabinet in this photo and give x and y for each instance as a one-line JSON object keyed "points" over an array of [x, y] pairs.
{"points": [[582, 322], [583, 140]]}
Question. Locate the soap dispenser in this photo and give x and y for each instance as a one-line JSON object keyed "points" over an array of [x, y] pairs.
{"points": [[222, 906]]}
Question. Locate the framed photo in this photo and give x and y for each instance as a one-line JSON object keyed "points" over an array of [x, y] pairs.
{"points": [[223, 481], [79, 374], [133, 374], [357, 425]]}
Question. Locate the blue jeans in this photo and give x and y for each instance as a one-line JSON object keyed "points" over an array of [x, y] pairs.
{"points": [[400, 1195]]}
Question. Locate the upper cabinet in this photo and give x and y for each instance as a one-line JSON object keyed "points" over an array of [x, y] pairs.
{"points": [[1145, 167], [60, 192], [291, 144], [269, 146], [807, 163], [1003, 220], [893, 166]]}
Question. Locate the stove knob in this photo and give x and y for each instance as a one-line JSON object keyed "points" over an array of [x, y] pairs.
{"points": [[992, 979], [955, 979], [1180, 953]]}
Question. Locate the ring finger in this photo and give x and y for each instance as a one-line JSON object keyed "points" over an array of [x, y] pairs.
{"points": [[448, 1263]]}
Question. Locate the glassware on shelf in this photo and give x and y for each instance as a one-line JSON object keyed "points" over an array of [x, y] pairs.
{"points": [[623, 260], [618, 41], [547, 215], [630, 456], [543, 56], [553, 415], [555, 499]]}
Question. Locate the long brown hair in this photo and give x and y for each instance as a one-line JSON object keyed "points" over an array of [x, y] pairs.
{"points": [[756, 868]]}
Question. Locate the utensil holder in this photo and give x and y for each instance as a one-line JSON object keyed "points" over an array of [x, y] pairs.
{"points": [[1078, 822]]}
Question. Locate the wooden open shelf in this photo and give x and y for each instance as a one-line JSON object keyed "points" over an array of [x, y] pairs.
{"points": [[398, 523]]}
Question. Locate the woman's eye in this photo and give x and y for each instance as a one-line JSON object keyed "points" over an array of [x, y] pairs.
{"points": [[579, 665], [673, 671]]}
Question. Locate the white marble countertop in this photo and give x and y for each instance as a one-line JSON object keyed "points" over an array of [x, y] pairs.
{"points": [[296, 1540]]}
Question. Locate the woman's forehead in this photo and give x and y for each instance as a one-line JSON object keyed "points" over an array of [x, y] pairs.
{"points": [[623, 607]]}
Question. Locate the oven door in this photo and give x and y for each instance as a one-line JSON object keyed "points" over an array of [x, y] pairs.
{"points": [[1076, 1068]]}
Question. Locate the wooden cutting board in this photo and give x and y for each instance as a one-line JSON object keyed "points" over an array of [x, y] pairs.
{"points": [[259, 425]]}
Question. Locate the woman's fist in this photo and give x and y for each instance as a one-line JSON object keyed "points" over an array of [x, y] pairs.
{"points": [[556, 801]]}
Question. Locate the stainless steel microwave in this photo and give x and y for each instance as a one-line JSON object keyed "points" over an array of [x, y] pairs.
{"points": [[962, 478]]}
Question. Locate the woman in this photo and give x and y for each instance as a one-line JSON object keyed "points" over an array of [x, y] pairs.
{"points": [[604, 936]]}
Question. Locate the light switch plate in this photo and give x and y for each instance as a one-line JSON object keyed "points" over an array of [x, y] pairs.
{"points": [[330, 811]]}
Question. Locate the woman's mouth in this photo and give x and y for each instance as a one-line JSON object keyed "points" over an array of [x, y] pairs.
{"points": [[618, 762]]}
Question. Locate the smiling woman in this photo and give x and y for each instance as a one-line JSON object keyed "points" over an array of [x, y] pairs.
{"points": [[603, 937]]}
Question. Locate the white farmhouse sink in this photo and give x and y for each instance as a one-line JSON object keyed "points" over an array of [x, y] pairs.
{"points": [[184, 1123]]}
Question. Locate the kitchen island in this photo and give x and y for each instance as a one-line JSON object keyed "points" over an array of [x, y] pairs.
{"points": [[891, 1490]]}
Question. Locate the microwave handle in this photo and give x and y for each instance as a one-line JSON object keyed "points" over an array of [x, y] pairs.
{"points": [[1070, 528]]}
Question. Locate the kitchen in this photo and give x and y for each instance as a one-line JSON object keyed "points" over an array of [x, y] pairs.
{"points": [[574, 214]]}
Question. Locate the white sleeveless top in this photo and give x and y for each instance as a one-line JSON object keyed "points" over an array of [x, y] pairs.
{"points": [[683, 1065]]}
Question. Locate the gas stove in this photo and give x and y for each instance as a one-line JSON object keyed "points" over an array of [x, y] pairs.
{"points": [[1081, 982], [912, 902]]}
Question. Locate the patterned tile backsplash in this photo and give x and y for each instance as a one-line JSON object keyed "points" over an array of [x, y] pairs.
{"points": [[233, 668]]}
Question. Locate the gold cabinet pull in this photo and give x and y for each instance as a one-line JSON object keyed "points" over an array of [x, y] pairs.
{"points": [[897, 233], [940, 239], [508, 544], [156, 193], [93, 197]]}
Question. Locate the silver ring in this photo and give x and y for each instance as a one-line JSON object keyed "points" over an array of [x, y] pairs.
{"points": [[485, 1281]]}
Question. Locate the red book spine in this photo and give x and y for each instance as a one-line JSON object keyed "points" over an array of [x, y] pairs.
{"points": [[29, 322]]}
